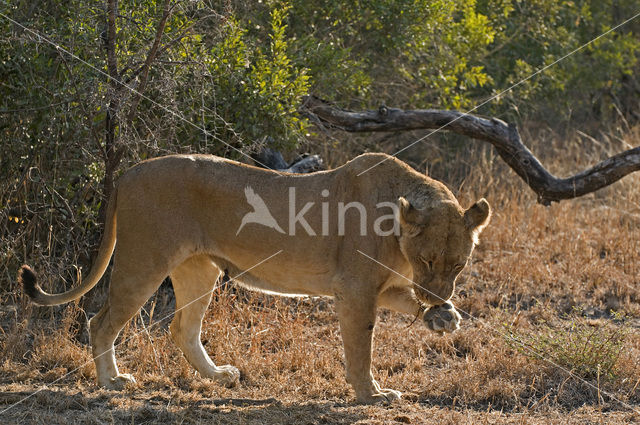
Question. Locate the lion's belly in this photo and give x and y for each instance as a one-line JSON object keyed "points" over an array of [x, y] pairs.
{"points": [[284, 279]]}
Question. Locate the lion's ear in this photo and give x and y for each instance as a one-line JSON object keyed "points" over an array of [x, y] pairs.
{"points": [[406, 211], [409, 217], [477, 216]]}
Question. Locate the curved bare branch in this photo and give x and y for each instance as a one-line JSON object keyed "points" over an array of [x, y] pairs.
{"points": [[504, 137]]}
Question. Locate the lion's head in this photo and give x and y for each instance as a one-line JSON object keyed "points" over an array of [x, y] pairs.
{"points": [[437, 240]]}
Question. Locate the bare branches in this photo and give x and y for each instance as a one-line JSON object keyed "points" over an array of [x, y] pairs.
{"points": [[166, 12], [504, 137]]}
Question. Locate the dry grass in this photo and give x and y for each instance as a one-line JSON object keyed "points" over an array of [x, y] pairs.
{"points": [[542, 280]]}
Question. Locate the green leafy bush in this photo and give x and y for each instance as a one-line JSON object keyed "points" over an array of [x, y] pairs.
{"points": [[256, 90]]}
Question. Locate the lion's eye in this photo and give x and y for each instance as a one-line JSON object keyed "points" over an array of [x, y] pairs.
{"points": [[458, 268]]}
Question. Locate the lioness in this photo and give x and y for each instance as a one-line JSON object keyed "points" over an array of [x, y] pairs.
{"points": [[193, 216]]}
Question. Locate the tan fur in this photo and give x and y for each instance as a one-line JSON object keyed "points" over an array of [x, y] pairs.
{"points": [[179, 215]]}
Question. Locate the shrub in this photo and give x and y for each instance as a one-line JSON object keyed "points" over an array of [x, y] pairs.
{"points": [[587, 349]]}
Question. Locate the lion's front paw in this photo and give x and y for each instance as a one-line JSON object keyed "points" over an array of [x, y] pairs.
{"points": [[119, 382], [384, 396], [227, 375], [442, 318]]}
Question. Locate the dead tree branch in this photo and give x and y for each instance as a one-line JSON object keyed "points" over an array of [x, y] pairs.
{"points": [[504, 137]]}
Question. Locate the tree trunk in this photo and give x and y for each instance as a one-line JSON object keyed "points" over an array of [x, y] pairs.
{"points": [[110, 153]]}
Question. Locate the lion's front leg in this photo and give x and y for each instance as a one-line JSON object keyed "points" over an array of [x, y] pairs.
{"points": [[440, 318], [357, 314], [401, 299]]}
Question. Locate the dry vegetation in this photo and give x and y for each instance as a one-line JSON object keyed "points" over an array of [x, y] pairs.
{"points": [[551, 333]]}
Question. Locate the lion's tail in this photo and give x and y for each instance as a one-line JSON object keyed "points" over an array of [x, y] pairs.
{"points": [[27, 278]]}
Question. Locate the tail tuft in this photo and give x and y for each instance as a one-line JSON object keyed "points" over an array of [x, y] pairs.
{"points": [[27, 278]]}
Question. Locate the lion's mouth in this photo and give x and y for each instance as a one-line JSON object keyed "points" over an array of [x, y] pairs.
{"points": [[432, 296]]}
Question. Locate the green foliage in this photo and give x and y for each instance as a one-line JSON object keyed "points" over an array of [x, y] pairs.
{"points": [[53, 109], [45, 134], [256, 88], [589, 84], [405, 53], [587, 350]]}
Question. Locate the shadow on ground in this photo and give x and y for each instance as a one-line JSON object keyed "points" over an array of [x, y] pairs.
{"points": [[51, 406]]}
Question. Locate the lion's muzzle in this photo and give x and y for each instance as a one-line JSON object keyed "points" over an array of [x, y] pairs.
{"points": [[434, 292]]}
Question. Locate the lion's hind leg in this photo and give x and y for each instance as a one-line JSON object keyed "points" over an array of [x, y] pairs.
{"points": [[193, 282], [130, 287]]}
